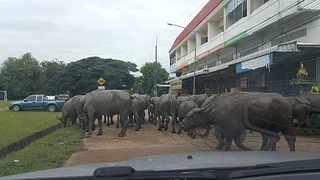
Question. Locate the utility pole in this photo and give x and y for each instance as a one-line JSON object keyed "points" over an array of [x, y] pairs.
{"points": [[156, 69]]}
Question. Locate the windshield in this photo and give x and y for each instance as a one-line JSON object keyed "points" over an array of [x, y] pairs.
{"points": [[102, 81]]}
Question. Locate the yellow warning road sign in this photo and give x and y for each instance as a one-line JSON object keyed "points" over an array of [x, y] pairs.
{"points": [[101, 81]]}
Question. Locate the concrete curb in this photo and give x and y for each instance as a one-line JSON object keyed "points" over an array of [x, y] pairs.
{"points": [[26, 141]]}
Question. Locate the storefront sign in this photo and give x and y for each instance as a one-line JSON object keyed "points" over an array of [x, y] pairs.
{"points": [[244, 82], [176, 84]]}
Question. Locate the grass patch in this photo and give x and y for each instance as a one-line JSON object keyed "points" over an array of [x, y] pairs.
{"points": [[18, 125], [48, 152], [4, 104]]}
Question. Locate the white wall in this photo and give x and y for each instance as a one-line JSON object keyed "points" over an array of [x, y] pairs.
{"points": [[183, 51], [178, 55], [213, 29], [198, 37], [191, 44]]}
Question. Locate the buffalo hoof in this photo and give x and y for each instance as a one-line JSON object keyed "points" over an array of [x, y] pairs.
{"points": [[173, 131], [179, 132], [108, 124], [117, 126], [166, 128], [155, 124], [87, 135], [220, 146], [162, 126], [121, 135], [193, 137], [112, 122], [136, 129], [99, 133], [159, 129]]}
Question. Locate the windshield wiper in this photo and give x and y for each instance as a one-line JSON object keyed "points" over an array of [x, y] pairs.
{"points": [[127, 172], [300, 166]]}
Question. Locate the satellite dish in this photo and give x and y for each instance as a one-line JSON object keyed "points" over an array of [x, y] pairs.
{"points": [[178, 73]]}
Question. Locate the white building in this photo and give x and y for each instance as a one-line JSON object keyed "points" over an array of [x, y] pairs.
{"points": [[255, 45]]}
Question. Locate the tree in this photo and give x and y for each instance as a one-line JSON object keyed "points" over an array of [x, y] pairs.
{"points": [[81, 76], [21, 76], [51, 71], [148, 76]]}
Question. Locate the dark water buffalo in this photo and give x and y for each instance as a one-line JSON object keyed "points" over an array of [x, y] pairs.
{"points": [[70, 111], [166, 107], [269, 111], [184, 106], [303, 106], [107, 102]]}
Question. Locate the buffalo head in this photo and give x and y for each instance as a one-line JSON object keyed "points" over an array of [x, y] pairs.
{"points": [[194, 119]]}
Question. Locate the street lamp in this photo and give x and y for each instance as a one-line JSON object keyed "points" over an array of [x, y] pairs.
{"points": [[195, 56]]}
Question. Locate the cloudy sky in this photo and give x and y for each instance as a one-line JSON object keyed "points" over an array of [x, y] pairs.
{"points": [[73, 29]]}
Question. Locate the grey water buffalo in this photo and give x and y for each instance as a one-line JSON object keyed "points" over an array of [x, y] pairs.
{"points": [[140, 104], [270, 112], [155, 115], [166, 108], [107, 102], [199, 99], [70, 111]]}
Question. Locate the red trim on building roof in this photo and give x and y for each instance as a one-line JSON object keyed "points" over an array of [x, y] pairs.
{"points": [[205, 11]]}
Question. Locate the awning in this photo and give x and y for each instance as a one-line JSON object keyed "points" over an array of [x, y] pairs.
{"points": [[262, 61]]}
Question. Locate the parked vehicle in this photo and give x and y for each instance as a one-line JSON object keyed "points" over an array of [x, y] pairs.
{"points": [[63, 96], [37, 102]]}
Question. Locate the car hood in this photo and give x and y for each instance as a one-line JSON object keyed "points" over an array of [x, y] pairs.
{"points": [[177, 161]]}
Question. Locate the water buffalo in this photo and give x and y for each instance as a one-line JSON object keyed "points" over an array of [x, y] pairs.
{"points": [[303, 106], [268, 111], [107, 102], [70, 111], [199, 99], [166, 107], [184, 106], [155, 115]]}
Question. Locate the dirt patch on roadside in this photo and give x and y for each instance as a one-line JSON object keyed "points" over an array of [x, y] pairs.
{"points": [[4, 109]]}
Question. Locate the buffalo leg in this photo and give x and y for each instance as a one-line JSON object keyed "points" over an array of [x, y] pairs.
{"points": [[238, 142], [138, 122], [111, 120], [91, 120], [272, 142], [229, 138], [220, 137], [104, 120], [108, 120], [173, 124], [159, 124], [167, 123], [143, 120], [265, 139], [124, 120], [291, 140], [100, 126]]}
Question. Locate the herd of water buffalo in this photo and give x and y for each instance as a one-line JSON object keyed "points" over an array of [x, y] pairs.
{"points": [[270, 114]]}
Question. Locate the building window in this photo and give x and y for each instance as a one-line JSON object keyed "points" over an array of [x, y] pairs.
{"points": [[172, 58], [257, 3], [204, 40], [236, 10]]}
